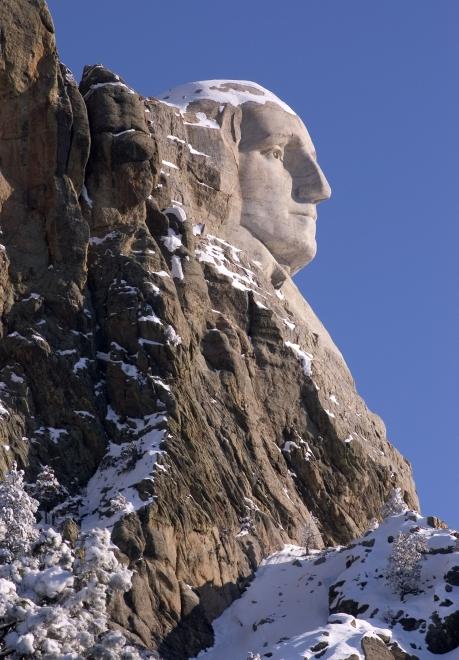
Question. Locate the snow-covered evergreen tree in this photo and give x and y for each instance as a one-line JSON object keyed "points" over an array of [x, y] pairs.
{"points": [[395, 504], [56, 605], [119, 503], [47, 489], [17, 516], [373, 524], [310, 536], [53, 598], [405, 562]]}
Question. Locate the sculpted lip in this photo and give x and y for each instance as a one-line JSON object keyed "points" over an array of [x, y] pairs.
{"points": [[304, 215]]}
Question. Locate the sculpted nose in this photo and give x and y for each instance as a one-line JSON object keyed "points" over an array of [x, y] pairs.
{"points": [[314, 187], [323, 190]]}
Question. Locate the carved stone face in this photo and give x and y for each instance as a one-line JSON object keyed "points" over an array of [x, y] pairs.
{"points": [[273, 205], [281, 183]]}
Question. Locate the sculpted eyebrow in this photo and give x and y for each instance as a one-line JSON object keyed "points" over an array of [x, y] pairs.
{"points": [[265, 141], [273, 138]]}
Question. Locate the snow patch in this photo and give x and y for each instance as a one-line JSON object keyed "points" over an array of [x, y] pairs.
{"points": [[172, 336], [160, 273], [302, 356], [177, 211], [97, 240], [124, 466], [93, 88], [150, 318], [204, 121], [198, 229], [225, 258], [55, 435], [169, 164], [289, 324], [129, 130], [235, 92], [172, 241], [176, 268]]}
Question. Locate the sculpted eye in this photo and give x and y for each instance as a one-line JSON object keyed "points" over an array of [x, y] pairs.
{"points": [[274, 152], [277, 153]]}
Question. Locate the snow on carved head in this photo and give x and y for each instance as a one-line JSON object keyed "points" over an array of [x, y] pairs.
{"points": [[279, 180], [235, 92]]}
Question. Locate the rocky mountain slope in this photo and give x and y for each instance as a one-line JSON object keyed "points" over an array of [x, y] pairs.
{"points": [[180, 397], [352, 602]]}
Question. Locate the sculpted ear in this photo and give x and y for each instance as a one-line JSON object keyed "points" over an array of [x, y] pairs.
{"points": [[230, 122]]}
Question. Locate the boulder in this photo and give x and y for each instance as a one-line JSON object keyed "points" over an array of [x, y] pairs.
{"points": [[452, 576], [437, 523], [375, 649], [443, 634]]}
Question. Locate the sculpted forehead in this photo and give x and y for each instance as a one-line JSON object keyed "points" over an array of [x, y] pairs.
{"points": [[269, 125], [265, 117]]}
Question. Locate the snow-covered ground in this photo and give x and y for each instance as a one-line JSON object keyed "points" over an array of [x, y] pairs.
{"points": [[290, 611]]}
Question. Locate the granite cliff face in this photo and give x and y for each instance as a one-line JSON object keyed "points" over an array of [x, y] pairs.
{"points": [[184, 401]]}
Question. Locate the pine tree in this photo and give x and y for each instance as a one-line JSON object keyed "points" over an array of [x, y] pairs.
{"points": [[395, 504], [53, 601], [405, 563], [47, 489], [311, 538], [17, 516], [119, 503], [53, 598]]}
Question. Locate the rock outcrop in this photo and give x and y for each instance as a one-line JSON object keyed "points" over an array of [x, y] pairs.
{"points": [[182, 399]]}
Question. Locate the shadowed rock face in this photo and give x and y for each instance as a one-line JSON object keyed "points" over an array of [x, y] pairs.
{"points": [[44, 143], [144, 348]]}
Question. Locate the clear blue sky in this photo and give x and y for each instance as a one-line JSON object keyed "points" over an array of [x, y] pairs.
{"points": [[377, 85]]}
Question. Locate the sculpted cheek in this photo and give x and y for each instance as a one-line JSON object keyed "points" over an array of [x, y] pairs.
{"points": [[280, 183]]}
